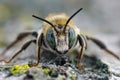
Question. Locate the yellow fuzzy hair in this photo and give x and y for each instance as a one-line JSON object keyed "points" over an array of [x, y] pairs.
{"points": [[57, 19]]}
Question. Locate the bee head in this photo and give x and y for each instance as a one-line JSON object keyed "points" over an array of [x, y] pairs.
{"points": [[60, 37]]}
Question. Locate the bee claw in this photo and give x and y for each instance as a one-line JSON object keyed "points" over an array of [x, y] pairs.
{"points": [[34, 64], [3, 62], [80, 67]]}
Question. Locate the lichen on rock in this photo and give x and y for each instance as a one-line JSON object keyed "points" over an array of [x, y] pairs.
{"points": [[94, 70]]}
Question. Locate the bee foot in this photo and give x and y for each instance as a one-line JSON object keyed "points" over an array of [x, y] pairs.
{"points": [[80, 67]]}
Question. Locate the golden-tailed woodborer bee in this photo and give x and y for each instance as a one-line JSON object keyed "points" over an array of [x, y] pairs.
{"points": [[58, 35]]}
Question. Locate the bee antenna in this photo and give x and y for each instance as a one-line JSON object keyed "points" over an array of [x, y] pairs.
{"points": [[45, 21], [71, 18]]}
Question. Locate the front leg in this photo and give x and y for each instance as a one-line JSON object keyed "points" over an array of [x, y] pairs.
{"points": [[39, 44], [83, 44]]}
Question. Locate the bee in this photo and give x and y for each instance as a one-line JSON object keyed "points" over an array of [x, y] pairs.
{"points": [[58, 35]]}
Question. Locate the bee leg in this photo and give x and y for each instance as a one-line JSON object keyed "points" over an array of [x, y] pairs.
{"points": [[20, 37], [38, 57], [102, 46], [83, 45], [20, 50], [39, 45]]}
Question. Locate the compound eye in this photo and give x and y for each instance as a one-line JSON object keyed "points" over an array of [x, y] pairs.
{"points": [[50, 38], [71, 36]]}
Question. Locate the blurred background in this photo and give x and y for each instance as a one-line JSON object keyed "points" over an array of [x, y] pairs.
{"points": [[99, 18]]}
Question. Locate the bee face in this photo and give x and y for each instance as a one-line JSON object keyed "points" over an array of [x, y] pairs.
{"points": [[60, 41]]}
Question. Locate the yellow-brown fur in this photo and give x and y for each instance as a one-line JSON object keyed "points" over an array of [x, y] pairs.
{"points": [[57, 19]]}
